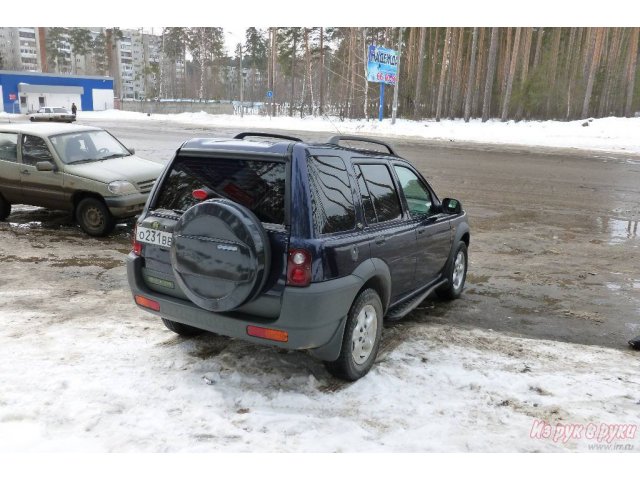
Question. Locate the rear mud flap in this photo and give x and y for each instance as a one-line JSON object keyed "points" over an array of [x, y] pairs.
{"points": [[331, 350]]}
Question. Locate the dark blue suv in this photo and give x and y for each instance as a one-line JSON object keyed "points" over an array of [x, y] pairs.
{"points": [[303, 246]]}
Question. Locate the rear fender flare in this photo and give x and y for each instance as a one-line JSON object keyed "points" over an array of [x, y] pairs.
{"points": [[376, 273]]}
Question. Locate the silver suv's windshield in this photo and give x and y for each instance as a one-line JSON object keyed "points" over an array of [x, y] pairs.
{"points": [[89, 146]]}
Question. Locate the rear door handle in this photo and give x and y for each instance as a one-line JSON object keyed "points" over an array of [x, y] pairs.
{"points": [[421, 230], [380, 240], [26, 172]]}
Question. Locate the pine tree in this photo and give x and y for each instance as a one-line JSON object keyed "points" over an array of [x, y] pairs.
{"points": [[81, 42], [511, 75], [443, 73], [632, 63], [471, 76], [491, 70], [594, 62], [419, 86]]}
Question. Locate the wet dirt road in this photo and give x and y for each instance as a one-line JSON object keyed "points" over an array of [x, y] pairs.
{"points": [[555, 241]]}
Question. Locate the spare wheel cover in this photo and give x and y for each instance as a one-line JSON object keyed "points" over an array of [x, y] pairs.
{"points": [[220, 255]]}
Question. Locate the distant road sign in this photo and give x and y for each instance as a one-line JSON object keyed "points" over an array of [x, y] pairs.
{"points": [[269, 94], [382, 65], [13, 96]]}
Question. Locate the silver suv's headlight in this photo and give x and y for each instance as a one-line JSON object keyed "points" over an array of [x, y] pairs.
{"points": [[121, 187]]}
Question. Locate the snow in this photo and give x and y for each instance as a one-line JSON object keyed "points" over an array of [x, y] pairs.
{"points": [[611, 134], [95, 374]]}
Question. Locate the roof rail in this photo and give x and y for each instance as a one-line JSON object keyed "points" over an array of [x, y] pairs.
{"points": [[243, 135], [336, 139]]}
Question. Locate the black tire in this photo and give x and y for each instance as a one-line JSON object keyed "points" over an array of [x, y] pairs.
{"points": [[181, 328], [5, 209], [32, 119], [346, 367], [454, 286], [94, 218]]}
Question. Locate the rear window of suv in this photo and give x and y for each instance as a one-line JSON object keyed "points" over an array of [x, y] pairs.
{"points": [[257, 185]]}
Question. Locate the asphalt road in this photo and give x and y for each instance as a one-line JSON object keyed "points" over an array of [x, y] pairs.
{"points": [[555, 239]]}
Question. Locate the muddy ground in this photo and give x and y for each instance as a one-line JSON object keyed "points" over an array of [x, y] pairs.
{"points": [[554, 246]]}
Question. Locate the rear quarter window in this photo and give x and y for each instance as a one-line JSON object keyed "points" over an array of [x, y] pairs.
{"points": [[257, 185], [331, 198]]}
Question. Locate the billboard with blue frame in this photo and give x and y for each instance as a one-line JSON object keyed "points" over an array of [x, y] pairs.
{"points": [[382, 65]]}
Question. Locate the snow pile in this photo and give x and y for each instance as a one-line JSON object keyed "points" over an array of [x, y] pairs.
{"points": [[606, 134]]}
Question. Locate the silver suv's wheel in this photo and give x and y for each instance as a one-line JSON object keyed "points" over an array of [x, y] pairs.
{"points": [[361, 339]]}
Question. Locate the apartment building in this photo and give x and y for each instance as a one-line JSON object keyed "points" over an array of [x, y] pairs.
{"points": [[19, 49], [137, 62]]}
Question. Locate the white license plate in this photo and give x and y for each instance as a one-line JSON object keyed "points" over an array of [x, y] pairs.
{"points": [[154, 237]]}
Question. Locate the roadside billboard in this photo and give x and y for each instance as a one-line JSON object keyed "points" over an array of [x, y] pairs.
{"points": [[382, 65]]}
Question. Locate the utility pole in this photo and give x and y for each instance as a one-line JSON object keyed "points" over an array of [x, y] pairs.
{"points": [[241, 83], [397, 86]]}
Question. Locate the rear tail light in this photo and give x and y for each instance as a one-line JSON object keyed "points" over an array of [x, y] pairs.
{"points": [[268, 333], [136, 246], [147, 303], [200, 194], [299, 268]]}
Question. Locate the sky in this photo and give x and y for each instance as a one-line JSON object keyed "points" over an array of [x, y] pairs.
{"points": [[233, 35], [285, 13]]}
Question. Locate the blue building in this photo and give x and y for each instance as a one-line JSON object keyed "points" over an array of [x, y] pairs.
{"points": [[24, 92]]}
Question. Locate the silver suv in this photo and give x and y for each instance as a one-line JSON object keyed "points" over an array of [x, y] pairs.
{"points": [[81, 169]]}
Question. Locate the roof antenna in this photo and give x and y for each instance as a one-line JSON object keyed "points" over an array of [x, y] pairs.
{"points": [[326, 117]]}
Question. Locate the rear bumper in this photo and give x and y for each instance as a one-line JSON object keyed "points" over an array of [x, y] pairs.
{"points": [[126, 205], [314, 317]]}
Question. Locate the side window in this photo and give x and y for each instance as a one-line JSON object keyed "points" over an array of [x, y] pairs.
{"points": [[367, 204], [331, 198], [34, 150], [417, 194], [382, 192], [9, 147]]}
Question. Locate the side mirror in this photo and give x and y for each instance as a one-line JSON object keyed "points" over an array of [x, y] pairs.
{"points": [[45, 167], [451, 206], [132, 151]]}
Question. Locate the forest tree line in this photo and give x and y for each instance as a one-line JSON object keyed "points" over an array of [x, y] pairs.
{"points": [[508, 73], [473, 72]]}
